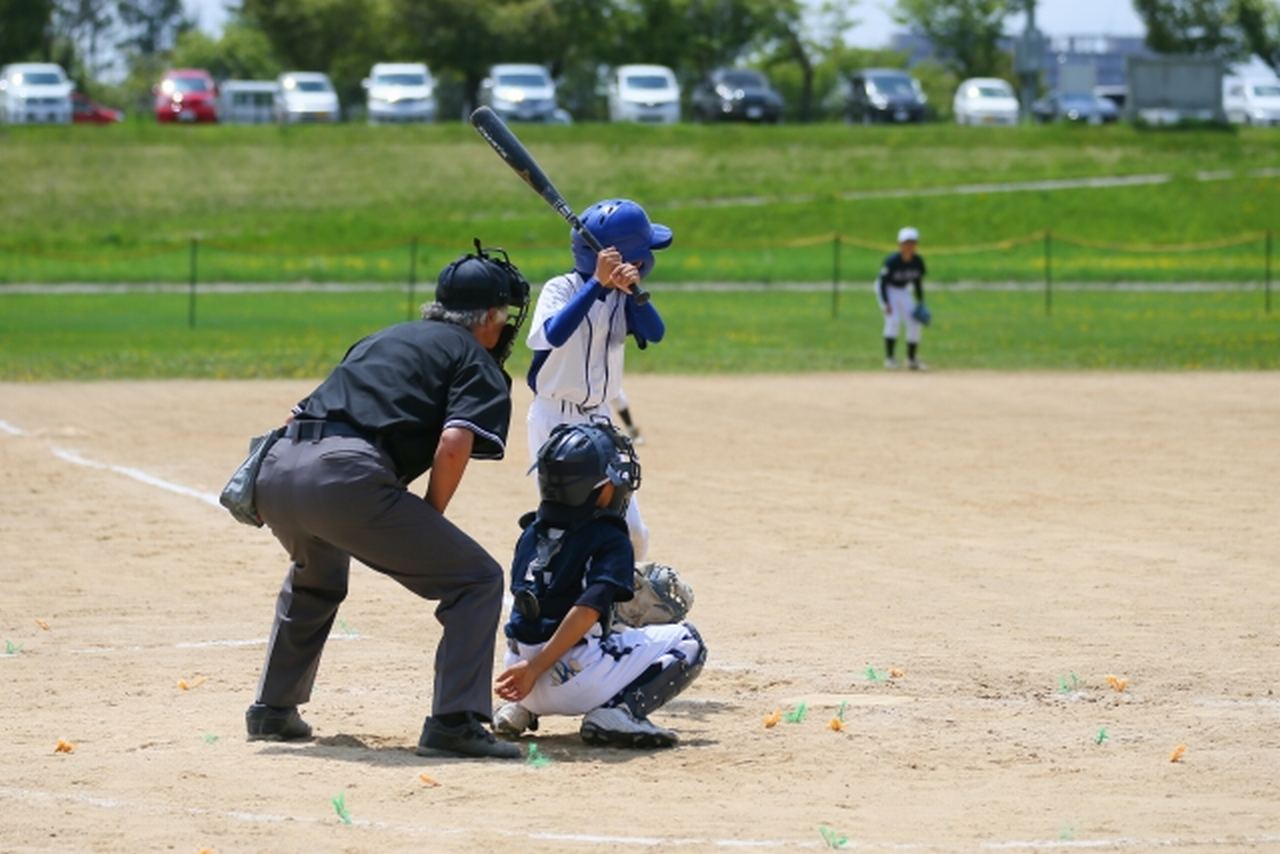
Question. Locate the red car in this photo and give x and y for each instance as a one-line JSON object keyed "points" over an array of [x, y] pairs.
{"points": [[86, 111], [186, 95]]}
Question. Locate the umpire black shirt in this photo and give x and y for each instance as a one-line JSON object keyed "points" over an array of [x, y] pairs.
{"points": [[405, 384]]}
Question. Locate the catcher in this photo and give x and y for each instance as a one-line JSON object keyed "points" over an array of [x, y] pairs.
{"points": [[572, 564]]}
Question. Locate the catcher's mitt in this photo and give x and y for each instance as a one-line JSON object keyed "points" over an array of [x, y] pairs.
{"points": [[922, 314], [661, 597]]}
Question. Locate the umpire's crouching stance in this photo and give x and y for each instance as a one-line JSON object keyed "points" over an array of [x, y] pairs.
{"points": [[427, 394]]}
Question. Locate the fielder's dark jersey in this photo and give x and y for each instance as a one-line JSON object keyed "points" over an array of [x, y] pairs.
{"points": [[897, 273], [405, 384], [595, 566]]}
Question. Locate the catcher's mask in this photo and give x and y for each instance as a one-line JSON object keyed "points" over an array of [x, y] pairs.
{"points": [[574, 465], [487, 279]]}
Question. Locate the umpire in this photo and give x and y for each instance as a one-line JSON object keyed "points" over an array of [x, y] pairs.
{"points": [[427, 394]]}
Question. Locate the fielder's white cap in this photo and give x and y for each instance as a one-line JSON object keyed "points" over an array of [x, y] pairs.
{"points": [[907, 233]]}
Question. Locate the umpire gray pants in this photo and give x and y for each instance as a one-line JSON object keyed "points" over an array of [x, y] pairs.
{"points": [[329, 500]]}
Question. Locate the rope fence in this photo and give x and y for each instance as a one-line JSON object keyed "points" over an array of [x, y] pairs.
{"points": [[1036, 259]]}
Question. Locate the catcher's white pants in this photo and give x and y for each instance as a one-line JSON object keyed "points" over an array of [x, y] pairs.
{"points": [[901, 302], [595, 671], [544, 415]]}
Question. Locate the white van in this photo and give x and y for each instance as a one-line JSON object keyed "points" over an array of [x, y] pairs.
{"points": [[1252, 101], [985, 101], [400, 92], [35, 93], [247, 102], [644, 93], [306, 96]]}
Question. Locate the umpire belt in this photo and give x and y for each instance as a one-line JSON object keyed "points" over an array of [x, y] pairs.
{"points": [[314, 431]]}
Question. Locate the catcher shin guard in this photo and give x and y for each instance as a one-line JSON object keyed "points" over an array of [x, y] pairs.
{"points": [[663, 681]]}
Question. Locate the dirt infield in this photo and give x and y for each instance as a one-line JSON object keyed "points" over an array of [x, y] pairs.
{"points": [[1008, 541]]}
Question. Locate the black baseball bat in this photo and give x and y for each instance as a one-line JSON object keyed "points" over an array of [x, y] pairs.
{"points": [[495, 132]]}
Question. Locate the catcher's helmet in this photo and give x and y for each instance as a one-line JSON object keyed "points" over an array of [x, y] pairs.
{"points": [[486, 279], [623, 224], [576, 462]]}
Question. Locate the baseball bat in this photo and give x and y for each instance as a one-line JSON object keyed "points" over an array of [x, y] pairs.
{"points": [[495, 132]]}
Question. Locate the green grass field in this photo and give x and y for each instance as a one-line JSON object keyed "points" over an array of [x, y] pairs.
{"points": [[341, 203], [303, 334]]}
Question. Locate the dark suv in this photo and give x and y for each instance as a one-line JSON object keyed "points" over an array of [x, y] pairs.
{"points": [[737, 93], [885, 95]]}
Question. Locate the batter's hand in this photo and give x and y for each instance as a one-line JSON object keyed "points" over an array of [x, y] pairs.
{"points": [[515, 683], [613, 272]]}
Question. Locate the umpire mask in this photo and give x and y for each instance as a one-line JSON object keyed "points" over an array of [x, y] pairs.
{"points": [[487, 279]]}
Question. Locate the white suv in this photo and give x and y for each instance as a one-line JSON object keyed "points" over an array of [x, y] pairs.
{"points": [[400, 92], [35, 93], [644, 93], [306, 96]]}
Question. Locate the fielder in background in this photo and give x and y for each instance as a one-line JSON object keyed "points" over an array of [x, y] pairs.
{"points": [[427, 394], [902, 273], [572, 564], [581, 323]]}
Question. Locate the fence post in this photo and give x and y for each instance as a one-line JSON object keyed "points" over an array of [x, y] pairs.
{"points": [[1048, 273], [1266, 285], [835, 275], [413, 274], [191, 288]]}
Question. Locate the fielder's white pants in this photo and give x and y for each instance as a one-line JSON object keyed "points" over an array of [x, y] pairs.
{"points": [[901, 303], [592, 673], [544, 415]]}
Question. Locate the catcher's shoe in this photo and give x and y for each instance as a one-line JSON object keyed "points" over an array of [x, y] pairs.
{"points": [[617, 727], [890, 364], [512, 720], [467, 739], [273, 723]]}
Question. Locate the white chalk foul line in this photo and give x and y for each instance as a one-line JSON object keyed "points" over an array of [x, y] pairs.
{"points": [[136, 474], [6, 427], [104, 650], [116, 803]]}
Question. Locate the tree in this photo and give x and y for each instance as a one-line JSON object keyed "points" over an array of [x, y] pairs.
{"points": [[25, 29], [1212, 27], [87, 23], [241, 53], [1260, 26], [965, 33], [151, 26]]}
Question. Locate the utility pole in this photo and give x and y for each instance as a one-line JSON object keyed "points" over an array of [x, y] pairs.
{"points": [[1028, 61]]}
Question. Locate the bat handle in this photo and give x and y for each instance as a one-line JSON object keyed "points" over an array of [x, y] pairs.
{"points": [[639, 294]]}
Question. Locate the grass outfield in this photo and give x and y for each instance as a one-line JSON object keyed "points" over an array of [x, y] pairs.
{"points": [[303, 334], [341, 203]]}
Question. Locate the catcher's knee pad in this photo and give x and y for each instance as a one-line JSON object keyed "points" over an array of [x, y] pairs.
{"points": [[663, 681]]}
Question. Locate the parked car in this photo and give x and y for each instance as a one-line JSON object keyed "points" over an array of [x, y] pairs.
{"points": [[1253, 102], [737, 93], [885, 95], [644, 93], [34, 93], [306, 96], [1116, 94], [1075, 107], [186, 95], [522, 93], [85, 110], [400, 92], [247, 102], [985, 101]]}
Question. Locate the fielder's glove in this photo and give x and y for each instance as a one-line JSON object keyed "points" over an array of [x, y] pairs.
{"points": [[922, 314], [661, 597]]}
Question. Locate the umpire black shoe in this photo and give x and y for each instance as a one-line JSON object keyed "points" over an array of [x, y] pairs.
{"points": [[467, 738], [275, 723]]}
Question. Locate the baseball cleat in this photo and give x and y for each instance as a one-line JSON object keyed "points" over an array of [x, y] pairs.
{"points": [[617, 727], [890, 364], [512, 720], [273, 723], [469, 739], [917, 365]]}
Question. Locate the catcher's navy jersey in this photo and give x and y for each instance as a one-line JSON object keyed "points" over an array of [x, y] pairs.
{"points": [[897, 273], [594, 565]]}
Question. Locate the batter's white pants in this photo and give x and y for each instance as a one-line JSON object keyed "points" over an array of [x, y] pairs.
{"points": [[544, 415], [595, 671], [901, 302]]}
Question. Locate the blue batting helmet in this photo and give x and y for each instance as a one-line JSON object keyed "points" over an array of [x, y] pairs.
{"points": [[623, 224]]}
